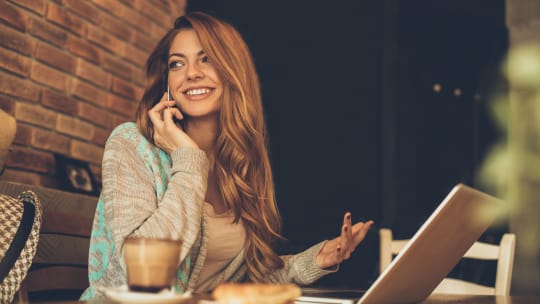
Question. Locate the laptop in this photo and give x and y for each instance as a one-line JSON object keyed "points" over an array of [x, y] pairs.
{"points": [[428, 257]]}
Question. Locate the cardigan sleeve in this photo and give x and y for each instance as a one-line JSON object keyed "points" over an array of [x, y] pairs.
{"points": [[132, 206], [301, 268]]}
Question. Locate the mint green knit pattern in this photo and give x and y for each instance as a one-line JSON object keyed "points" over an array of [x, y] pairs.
{"points": [[102, 247]]}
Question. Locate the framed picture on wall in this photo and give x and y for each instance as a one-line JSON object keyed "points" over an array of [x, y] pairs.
{"points": [[75, 175]]}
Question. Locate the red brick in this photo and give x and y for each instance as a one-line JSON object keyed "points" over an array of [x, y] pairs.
{"points": [[88, 92], [14, 62], [96, 172], [117, 66], [49, 76], [54, 57], [177, 8], [51, 141], [106, 40], [93, 73], [67, 20], [13, 15], [158, 31], [129, 3], [126, 89], [121, 105], [144, 42], [139, 77], [83, 9], [84, 49], [85, 151], [153, 13], [114, 7], [48, 32], [7, 104], [94, 114], [100, 136], [38, 6], [32, 160], [24, 134], [35, 115], [116, 27], [74, 127], [15, 40], [118, 119], [162, 5], [23, 177], [135, 19], [17, 87], [59, 102], [136, 56], [51, 180]]}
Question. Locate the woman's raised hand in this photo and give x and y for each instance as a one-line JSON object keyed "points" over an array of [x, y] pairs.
{"points": [[168, 135], [339, 249]]}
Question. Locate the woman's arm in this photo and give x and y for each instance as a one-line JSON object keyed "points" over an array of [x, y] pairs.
{"points": [[324, 258], [130, 192]]}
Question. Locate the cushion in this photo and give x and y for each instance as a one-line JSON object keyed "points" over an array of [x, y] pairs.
{"points": [[20, 223], [8, 125]]}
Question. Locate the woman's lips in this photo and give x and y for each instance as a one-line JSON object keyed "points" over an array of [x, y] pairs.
{"points": [[198, 93]]}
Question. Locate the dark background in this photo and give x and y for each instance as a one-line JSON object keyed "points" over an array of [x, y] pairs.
{"points": [[354, 122]]}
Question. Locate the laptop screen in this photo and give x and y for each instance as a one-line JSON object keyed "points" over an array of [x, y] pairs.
{"points": [[454, 226]]}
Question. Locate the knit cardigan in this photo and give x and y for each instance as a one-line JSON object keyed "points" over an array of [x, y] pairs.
{"points": [[148, 192]]}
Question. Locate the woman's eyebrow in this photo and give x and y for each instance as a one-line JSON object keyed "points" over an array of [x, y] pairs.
{"points": [[201, 52], [177, 54]]}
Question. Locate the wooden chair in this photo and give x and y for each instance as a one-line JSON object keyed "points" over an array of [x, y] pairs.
{"points": [[502, 253], [60, 267]]}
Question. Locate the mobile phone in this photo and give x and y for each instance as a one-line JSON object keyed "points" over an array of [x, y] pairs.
{"points": [[176, 120]]}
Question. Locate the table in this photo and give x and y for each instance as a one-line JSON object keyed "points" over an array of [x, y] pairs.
{"points": [[443, 298], [434, 299]]}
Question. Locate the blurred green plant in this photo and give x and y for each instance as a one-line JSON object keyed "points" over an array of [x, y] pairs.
{"points": [[512, 168]]}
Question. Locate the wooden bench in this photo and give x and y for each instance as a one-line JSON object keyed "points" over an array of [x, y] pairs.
{"points": [[60, 268]]}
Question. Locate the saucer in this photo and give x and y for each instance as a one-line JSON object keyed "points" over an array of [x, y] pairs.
{"points": [[122, 294]]}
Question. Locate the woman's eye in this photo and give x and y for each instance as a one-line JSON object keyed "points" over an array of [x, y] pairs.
{"points": [[175, 64], [205, 59]]}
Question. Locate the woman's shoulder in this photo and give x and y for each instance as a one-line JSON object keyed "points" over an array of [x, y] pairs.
{"points": [[127, 130], [127, 136]]}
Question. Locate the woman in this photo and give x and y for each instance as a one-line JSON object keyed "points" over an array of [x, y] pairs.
{"points": [[195, 167]]}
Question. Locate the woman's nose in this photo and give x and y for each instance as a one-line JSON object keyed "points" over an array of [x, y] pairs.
{"points": [[194, 72]]}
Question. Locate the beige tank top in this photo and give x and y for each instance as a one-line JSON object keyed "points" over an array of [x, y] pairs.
{"points": [[225, 240]]}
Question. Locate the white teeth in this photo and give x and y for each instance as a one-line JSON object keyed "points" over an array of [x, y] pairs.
{"points": [[198, 91]]}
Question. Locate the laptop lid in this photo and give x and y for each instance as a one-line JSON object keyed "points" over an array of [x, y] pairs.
{"points": [[439, 244], [431, 253]]}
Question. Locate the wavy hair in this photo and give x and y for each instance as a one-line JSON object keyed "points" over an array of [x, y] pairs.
{"points": [[241, 149]]}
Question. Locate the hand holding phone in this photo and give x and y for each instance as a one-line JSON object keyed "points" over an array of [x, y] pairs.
{"points": [[176, 119], [168, 132]]}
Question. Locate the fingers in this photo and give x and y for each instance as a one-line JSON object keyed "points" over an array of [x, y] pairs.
{"points": [[340, 248], [351, 236], [167, 117], [155, 113], [343, 247], [361, 233], [348, 223], [177, 113]]}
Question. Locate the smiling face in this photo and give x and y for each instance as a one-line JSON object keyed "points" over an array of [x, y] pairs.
{"points": [[193, 81]]}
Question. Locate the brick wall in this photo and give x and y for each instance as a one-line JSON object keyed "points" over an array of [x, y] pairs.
{"points": [[70, 71]]}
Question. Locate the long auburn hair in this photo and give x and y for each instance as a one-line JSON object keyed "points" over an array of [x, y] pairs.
{"points": [[241, 148]]}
